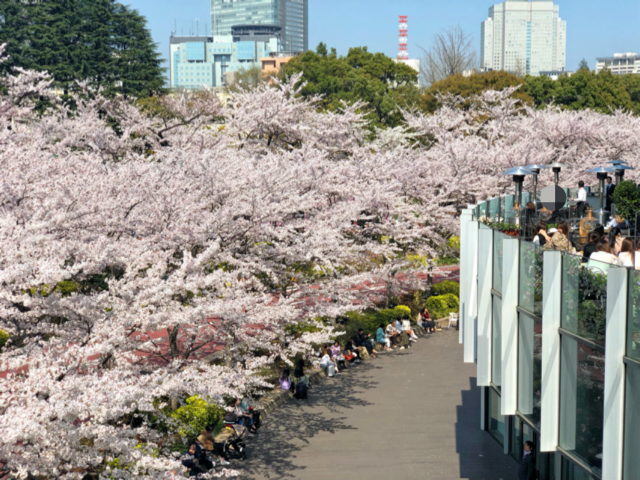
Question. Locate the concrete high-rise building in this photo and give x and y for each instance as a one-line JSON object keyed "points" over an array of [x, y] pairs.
{"points": [[291, 15], [197, 61], [620, 64], [524, 37]]}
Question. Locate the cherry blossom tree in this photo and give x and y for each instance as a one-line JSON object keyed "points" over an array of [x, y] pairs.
{"points": [[137, 238]]}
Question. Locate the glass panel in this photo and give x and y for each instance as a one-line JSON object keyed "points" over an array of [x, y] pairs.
{"points": [[530, 296], [529, 368], [571, 471], [494, 205], [497, 260], [496, 344], [581, 401], [482, 211], [633, 316], [516, 438], [632, 425], [496, 421], [584, 297]]}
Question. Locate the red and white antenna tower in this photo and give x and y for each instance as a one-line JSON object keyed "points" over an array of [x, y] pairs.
{"points": [[403, 54]]}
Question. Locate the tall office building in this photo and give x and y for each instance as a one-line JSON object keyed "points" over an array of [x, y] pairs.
{"points": [[291, 15], [524, 37]]}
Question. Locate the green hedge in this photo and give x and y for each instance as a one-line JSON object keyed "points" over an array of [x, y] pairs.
{"points": [[196, 415], [370, 321], [445, 287], [441, 306]]}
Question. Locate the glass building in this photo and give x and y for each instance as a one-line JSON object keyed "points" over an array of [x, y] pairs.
{"points": [[556, 341], [203, 61], [524, 37], [291, 15]]}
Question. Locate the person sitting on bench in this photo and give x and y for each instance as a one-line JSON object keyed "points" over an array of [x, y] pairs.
{"points": [[382, 338]]}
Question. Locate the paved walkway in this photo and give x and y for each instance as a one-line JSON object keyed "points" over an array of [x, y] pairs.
{"points": [[408, 415]]}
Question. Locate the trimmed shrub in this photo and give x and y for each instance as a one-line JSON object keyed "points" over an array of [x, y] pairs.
{"points": [[370, 320], [441, 306], [446, 287], [404, 310], [196, 415]]}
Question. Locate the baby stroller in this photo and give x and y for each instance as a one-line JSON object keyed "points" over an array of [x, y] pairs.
{"points": [[235, 448], [233, 445]]}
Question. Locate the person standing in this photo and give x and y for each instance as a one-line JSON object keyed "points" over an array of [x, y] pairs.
{"points": [[581, 201], [608, 191], [527, 469]]}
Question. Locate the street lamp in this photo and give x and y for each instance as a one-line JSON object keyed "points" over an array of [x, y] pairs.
{"points": [[556, 171], [602, 172]]}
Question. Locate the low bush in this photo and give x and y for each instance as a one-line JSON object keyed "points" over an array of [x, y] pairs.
{"points": [[370, 320], [196, 415], [441, 306], [446, 287]]}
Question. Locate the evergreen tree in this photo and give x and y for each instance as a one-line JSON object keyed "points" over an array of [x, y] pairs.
{"points": [[101, 42], [373, 78], [584, 65]]}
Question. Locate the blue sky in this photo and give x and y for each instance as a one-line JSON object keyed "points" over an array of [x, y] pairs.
{"points": [[594, 27]]}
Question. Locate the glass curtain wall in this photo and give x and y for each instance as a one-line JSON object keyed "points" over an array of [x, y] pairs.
{"points": [[631, 463], [530, 332], [496, 420], [582, 361]]}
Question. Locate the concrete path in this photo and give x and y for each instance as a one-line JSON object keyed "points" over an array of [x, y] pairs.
{"points": [[411, 414]]}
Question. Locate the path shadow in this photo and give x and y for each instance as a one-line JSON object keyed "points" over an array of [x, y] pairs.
{"points": [[271, 453], [481, 456]]}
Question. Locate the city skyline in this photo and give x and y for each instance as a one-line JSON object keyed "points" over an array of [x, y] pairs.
{"points": [[592, 31]]}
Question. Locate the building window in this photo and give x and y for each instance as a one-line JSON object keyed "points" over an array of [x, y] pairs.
{"points": [[496, 420], [632, 423]]}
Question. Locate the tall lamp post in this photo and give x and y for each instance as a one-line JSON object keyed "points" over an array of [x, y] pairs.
{"points": [[602, 172], [556, 167], [518, 174], [535, 168]]}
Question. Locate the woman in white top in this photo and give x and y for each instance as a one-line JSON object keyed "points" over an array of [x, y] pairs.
{"points": [[326, 360], [406, 325], [626, 255], [604, 254]]}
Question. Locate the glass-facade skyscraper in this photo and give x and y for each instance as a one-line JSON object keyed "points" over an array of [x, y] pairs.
{"points": [[291, 15], [524, 37]]}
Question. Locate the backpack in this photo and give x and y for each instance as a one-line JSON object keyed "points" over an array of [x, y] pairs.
{"points": [[301, 390]]}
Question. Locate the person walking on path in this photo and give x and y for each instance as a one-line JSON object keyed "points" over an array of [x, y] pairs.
{"points": [[527, 469]]}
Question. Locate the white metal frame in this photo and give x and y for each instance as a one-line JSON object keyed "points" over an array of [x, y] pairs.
{"points": [[509, 347], [468, 284], [614, 374], [551, 316], [485, 310]]}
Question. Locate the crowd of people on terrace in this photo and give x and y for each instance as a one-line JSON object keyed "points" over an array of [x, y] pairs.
{"points": [[605, 244]]}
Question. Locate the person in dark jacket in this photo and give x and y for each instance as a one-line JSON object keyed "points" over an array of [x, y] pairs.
{"points": [[527, 469], [191, 461], [363, 340], [591, 247]]}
